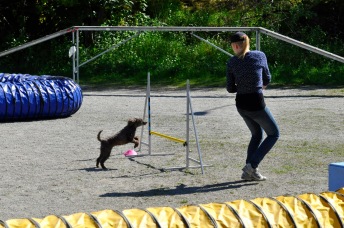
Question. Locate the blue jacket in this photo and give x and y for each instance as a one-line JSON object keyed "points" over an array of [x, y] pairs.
{"points": [[248, 75]]}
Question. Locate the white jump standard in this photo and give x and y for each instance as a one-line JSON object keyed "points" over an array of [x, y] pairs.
{"points": [[186, 144]]}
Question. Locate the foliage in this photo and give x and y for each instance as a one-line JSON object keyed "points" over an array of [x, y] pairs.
{"points": [[172, 57], [169, 57]]}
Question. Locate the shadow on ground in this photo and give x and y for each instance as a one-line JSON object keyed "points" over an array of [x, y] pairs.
{"points": [[181, 190]]}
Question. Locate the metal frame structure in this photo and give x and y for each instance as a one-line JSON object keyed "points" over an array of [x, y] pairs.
{"points": [[186, 142], [139, 29], [75, 30]]}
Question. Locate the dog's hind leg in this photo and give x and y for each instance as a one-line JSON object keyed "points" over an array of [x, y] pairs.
{"points": [[98, 160], [101, 155], [105, 155]]}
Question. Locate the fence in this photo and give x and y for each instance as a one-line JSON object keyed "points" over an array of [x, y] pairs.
{"points": [[75, 31]]}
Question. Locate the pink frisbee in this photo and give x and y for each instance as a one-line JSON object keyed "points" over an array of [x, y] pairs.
{"points": [[130, 153]]}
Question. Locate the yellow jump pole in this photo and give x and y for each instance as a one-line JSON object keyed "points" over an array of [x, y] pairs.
{"points": [[169, 137]]}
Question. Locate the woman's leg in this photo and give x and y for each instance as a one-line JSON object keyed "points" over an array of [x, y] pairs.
{"points": [[266, 120], [256, 135]]}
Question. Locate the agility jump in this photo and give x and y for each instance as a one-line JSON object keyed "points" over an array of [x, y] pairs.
{"points": [[186, 144], [169, 137]]}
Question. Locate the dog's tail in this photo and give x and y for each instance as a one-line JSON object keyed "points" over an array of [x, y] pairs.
{"points": [[98, 136]]}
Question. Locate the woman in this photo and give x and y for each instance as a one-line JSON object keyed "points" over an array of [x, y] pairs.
{"points": [[247, 75]]}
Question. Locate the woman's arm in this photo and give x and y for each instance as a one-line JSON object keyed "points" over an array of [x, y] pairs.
{"points": [[231, 86], [266, 72]]}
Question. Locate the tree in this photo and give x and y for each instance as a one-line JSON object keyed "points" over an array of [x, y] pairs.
{"points": [[25, 20]]}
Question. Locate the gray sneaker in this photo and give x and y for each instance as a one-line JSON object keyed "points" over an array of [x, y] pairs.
{"points": [[247, 177], [254, 173]]}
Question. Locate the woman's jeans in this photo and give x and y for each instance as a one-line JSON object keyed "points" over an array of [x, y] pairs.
{"points": [[257, 121]]}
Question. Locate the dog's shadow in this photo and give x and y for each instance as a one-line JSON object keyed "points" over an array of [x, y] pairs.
{"points": [[95, 169], [182, 190]]}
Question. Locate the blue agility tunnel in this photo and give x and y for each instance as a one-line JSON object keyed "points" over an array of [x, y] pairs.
{"points": [[29, 97]]}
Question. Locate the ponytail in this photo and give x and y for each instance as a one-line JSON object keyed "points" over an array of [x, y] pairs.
{"points": [[245, 47]]}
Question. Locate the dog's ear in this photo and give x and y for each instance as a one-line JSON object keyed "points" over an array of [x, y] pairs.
{"points": [[131, 122]]}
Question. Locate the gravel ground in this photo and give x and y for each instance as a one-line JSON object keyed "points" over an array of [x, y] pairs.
{"points": [[48, 167]]}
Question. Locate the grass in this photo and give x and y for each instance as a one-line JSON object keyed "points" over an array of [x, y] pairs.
{"points": [[183, 202]]}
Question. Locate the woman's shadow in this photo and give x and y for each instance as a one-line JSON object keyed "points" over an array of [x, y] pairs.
{"points": [[181, 190]]}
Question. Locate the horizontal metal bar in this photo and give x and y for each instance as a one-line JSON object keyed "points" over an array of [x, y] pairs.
{"points": [[302, 45], [185, 167], [34, 42], [147, 154], [164, 28]]}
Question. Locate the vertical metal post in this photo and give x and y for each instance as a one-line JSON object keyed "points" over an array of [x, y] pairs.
{"points": [[194, 127], [144, 116], [257, 40], [187, 123], [149, 115], [147, 109], [73, 42], [77, 56]]}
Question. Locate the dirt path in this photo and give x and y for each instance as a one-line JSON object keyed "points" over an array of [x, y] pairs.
{"points": [[48, 167]]}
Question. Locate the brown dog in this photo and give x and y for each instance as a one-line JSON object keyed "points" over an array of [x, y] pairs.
{"points": [[124, 136]]}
